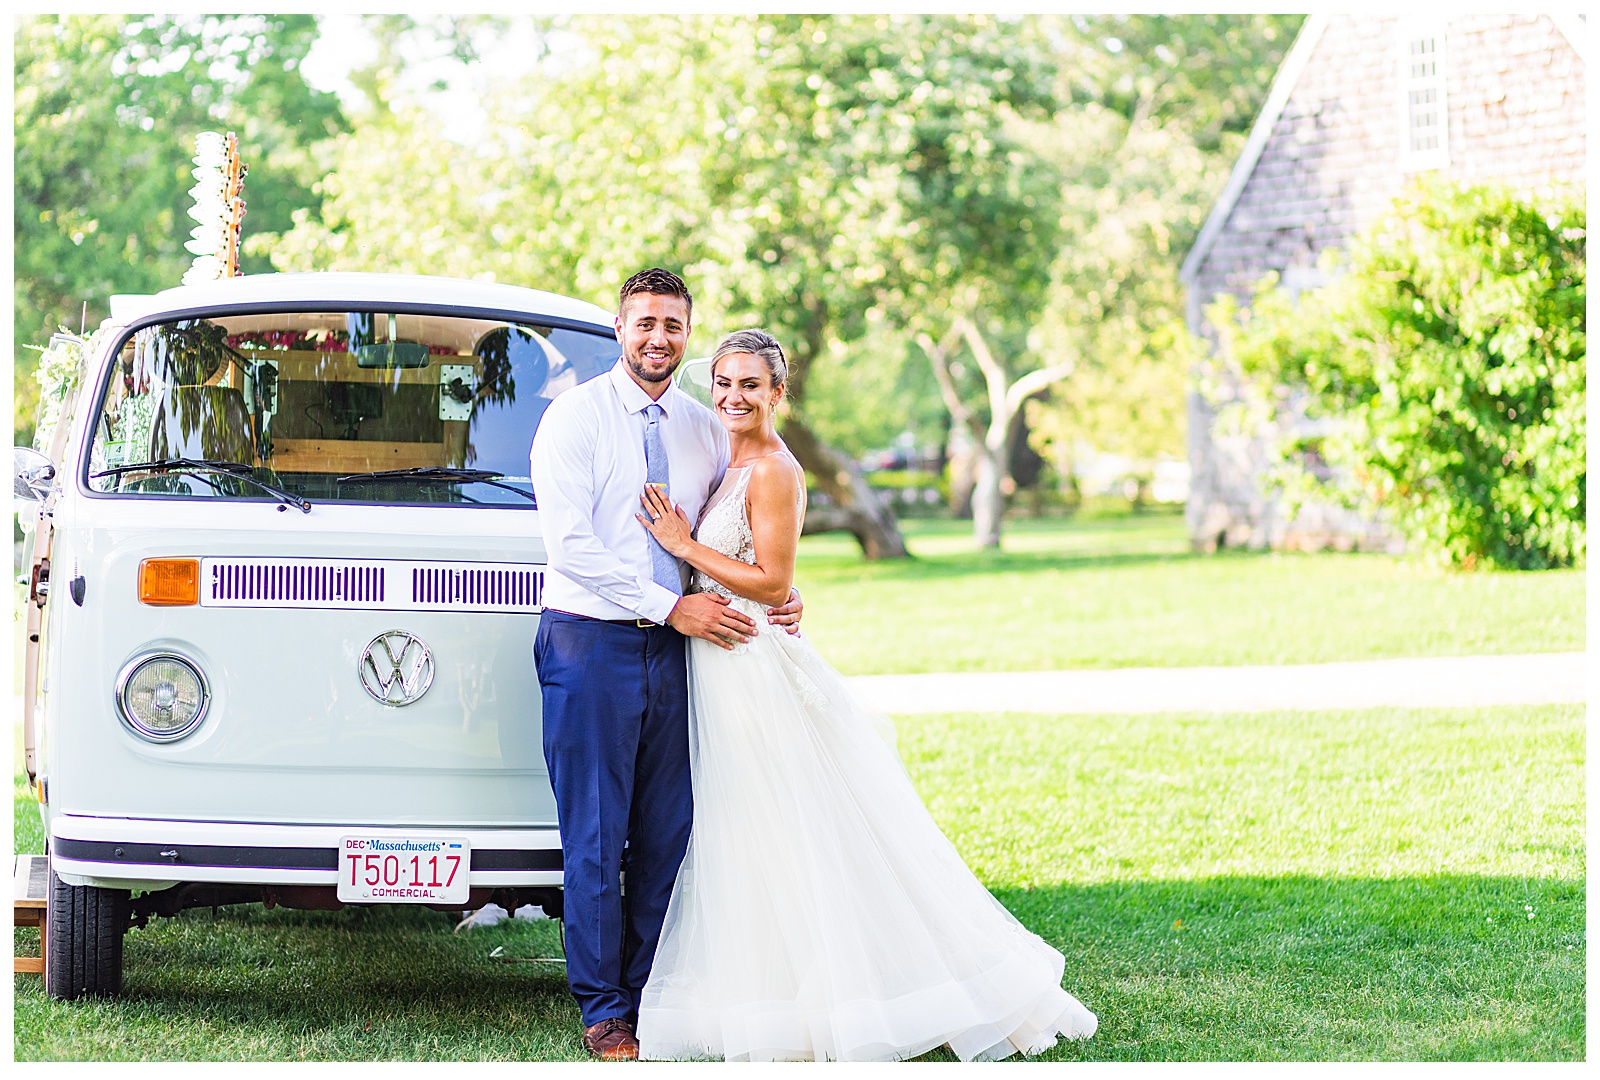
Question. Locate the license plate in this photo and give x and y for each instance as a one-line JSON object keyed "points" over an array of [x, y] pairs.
{"points": [[404, 869]]}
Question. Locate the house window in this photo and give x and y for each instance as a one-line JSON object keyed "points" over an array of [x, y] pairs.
{"points": [[1424, 112]]}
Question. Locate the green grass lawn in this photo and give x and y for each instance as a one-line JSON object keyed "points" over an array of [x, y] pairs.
{"points": [[1126, 592], [1383, 884]]}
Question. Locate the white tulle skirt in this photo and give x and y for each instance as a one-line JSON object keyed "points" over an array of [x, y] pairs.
{"points": [[820, 913]]}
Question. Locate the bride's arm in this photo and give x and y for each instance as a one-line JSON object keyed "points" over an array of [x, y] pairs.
{"points": [[774, 500]]}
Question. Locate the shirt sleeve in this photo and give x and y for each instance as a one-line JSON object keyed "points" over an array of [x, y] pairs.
{"points": [[561, 466]]}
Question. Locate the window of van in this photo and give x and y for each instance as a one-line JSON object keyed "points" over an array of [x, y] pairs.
{"points": [[361, 406]]}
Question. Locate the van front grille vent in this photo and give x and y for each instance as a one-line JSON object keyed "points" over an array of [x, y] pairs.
{"points": [[375, 584], [338, 585]]}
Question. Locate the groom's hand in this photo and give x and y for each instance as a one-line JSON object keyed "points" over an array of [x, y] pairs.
{"points": [[788, 616], [708, 616]]}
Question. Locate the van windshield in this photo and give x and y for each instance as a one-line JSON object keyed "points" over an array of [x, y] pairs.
{"points": [[360, 406]]}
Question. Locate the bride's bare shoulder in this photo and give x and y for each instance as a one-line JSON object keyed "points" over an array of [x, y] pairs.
{"points": [[777, 476], [778, 470]]}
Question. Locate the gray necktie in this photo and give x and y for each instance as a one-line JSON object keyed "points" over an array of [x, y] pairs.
{"points": [[663, 567]]}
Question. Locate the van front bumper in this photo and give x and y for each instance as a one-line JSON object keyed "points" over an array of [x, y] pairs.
{"points": [[146, 854]]}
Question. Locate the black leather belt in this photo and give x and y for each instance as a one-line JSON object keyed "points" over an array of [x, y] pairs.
{"points": [[642, 624]]}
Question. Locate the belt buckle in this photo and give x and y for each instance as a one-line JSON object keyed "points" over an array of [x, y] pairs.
{"points": [[645, 624]]}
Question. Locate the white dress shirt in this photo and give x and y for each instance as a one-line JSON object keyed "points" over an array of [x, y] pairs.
{"points": [[588, 472]]}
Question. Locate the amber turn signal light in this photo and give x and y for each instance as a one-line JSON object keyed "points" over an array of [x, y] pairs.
{"points": [[169, 582]]}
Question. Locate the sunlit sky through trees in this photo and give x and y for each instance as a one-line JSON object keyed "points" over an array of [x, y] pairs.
{"points": [[429, 73]]}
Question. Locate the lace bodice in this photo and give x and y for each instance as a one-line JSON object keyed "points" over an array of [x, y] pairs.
{"points": [[725, 528]]}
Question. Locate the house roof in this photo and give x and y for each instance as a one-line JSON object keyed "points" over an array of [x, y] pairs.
{"points": [[1573, 27], [1282, 85]]}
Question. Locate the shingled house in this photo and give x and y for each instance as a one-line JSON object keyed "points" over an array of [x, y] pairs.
{"points": [[1360, 103]]}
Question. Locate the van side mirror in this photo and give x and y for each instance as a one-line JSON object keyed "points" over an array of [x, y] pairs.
{"points": [[32, 474]]}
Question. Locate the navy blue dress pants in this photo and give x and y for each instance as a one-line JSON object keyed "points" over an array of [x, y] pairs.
{"points": [[616, 740]]}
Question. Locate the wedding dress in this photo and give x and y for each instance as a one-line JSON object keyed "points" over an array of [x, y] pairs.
{"points": [[820, 913]]}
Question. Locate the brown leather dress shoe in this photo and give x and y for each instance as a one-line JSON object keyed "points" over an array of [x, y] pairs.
{"points": [[611, 1040]]}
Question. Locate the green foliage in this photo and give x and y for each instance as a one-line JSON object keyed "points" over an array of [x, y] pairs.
{"points": [[797, 166], [1160, 108], [568, 191], [825, 177], [862, 395], [841, 180], [834, 178], [1450, 358], [107, 108], [58, 374], [1207, 73]]}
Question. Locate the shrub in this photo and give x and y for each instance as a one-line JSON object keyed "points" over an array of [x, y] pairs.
{"points": [[1448, 350]]}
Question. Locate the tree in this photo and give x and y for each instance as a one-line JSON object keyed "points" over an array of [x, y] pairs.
{"points": [[568, 191], [107, 108], [1159, 108], [1085, 305], [1114, 299], [786, 165], [1446, 365], [1005, 400], [872, 174], [896, 181]]}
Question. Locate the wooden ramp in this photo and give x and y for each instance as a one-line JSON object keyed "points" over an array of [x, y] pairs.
{"points": [[30, 879]]}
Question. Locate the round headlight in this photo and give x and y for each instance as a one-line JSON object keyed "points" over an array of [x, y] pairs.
{"points": [[162, 697]]}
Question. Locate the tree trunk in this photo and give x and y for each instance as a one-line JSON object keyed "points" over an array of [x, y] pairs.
{"points": [[1140, 499], [1023, 463], [988, 502], [1072, 492], [991, 443], [856, 508], [963, 472]]}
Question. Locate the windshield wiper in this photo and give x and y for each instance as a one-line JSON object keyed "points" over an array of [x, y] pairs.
{"points": [[434, 472], [228, 468]]}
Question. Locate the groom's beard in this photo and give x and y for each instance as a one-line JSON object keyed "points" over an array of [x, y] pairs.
{"points": [[637, 365]]}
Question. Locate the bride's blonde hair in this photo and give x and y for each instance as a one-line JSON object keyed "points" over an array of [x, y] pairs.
{"points": [[756, 343]]}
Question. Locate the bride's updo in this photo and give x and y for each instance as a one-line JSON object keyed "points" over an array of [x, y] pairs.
{"points": [[756, 343]]}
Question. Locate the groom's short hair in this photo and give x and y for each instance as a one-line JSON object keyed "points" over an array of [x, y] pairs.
{"points": [[657, 281]]}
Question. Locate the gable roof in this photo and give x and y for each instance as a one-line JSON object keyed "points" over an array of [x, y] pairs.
{"points": [[1282, 85], [1574, 28]]}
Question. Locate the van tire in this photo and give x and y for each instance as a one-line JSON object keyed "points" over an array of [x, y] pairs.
{"points": [[86, 925]]}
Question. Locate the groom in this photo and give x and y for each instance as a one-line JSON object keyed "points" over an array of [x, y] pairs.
{"points": [[610, 650]]}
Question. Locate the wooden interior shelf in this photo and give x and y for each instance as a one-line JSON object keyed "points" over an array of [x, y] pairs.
{"points": [[352, 456], [301, 366]]}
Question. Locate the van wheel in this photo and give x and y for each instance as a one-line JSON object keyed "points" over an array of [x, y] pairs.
{"points": [[86, 925]]}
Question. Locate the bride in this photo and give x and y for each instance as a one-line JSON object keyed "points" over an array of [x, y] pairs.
{"points": [[820, 913]]}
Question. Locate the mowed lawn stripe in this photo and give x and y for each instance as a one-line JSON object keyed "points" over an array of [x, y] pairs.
{"points": [[1279, 886], [1127, 592]]}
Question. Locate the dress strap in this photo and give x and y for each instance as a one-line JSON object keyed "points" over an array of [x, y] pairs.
{"points": [[763, 457]]}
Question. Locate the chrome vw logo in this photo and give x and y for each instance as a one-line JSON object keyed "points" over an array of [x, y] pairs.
{"points": [[396, 667]]}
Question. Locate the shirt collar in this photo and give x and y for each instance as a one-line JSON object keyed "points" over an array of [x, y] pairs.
{"points": [[633, 398]]}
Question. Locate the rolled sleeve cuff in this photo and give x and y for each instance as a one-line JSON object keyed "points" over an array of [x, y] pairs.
{"points": [[658, 603]]}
